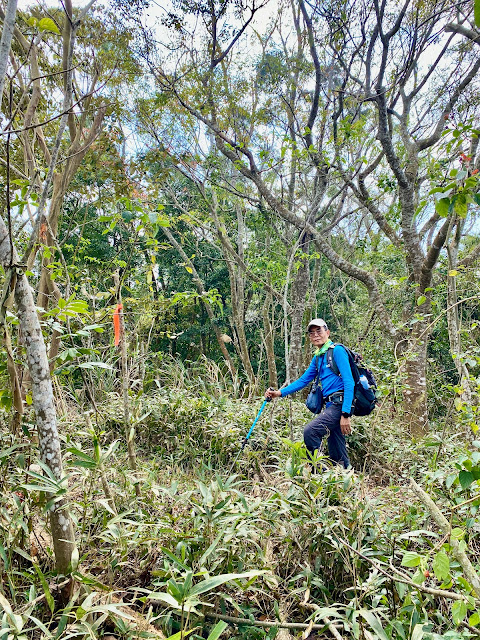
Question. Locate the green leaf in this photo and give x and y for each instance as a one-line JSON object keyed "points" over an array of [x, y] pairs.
{"points": [[217, 630], [421, 300], [47, 24], [474, 619], [182, 634], [466, 478], [411, 559], [212, 583], [459, 611], [166, 598], [461, 205], [442, 206], [46, 590], [374, 622], [418, 632], [441, 565]]}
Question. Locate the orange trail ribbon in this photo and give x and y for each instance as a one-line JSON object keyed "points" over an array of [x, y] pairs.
{"points": [[116, 323]]}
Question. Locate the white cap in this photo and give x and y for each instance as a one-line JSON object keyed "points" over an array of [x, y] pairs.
{"points": [[317, 322]]}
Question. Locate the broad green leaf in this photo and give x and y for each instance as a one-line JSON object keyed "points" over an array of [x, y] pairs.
{"points": [[411, 559], [216, 581], [459, 611], [217, 630], [476, 12], [474, 619], [466, 478], [421, 300], [47, 24], [442, 206], [441, 565], [460, 205], [453, 272]]}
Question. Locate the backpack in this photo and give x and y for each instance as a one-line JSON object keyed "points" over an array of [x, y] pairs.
{"points": [[364, 394]]}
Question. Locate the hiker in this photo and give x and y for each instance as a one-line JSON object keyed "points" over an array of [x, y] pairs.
{"points": [[334, 420]]}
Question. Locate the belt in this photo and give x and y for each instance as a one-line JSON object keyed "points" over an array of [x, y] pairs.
{"points": [[336, 398]]}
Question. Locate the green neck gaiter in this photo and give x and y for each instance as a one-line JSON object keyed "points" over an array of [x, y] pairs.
{"points": [[323, 349]]}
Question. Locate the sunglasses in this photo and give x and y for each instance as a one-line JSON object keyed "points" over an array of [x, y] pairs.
{"points": [[318, 330]]}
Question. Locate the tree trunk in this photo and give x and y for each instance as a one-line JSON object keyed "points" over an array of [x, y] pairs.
{"points": [[299, 290], [129, 429], [269, 342], [415, 398], [43, 401], [6, 41], [453, 319]]}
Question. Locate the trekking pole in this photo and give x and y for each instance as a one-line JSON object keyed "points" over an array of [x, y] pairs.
{"points": [[244, 443]]}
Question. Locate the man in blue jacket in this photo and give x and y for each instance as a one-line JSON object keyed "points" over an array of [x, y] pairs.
{"points": [[334, 421]]}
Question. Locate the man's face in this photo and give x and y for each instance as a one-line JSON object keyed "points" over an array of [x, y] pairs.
{"points": [[318, 335]]}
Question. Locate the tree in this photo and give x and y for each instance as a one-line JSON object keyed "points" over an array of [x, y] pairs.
{"points": [[375, 116]]}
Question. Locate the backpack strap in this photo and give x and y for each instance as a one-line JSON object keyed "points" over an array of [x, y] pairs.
{"points": [[331, 364], [334, 366]]}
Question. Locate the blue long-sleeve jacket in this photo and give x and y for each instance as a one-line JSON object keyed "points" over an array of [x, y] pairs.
{"points": [[330, 381]]}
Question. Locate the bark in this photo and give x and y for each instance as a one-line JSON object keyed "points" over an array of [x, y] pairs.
{"points": [[268, 333], [43, 402], [453, 319], [299, 292], [415, 393], [237, 282], [6, 41]]}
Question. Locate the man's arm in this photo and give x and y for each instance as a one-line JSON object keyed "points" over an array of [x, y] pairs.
{"points": [[343, 364], [298, 384]]}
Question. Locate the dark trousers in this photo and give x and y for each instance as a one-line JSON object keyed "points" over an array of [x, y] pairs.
{"points": [[327, 424]]}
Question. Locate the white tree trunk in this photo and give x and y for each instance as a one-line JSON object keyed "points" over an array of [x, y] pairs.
{"points": [[6, 41], [43, 400]]}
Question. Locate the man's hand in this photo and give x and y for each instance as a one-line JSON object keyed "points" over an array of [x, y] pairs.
{"points": [[345, 426], [272, 393]]}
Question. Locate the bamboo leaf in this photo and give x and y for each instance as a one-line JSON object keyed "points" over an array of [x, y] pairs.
{"points": [[217, 630], [46, 590], [374, 622], [216, 581]]}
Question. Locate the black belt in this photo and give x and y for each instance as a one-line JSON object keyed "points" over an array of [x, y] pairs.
{"points": [[336, 398]]}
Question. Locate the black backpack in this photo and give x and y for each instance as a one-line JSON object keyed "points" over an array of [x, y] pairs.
{"points": [[364, 395]]}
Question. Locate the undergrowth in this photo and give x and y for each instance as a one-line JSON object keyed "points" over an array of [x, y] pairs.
{"points": [[263, 536]]}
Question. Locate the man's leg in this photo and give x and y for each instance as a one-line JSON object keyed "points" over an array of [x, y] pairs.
{"points": [[314, 432], [337, 446], [321, 426]]}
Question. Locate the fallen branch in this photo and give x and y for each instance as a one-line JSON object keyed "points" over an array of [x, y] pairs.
{"points": [[39, 598], [294, 626], [400, 577], [443, 523]]}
